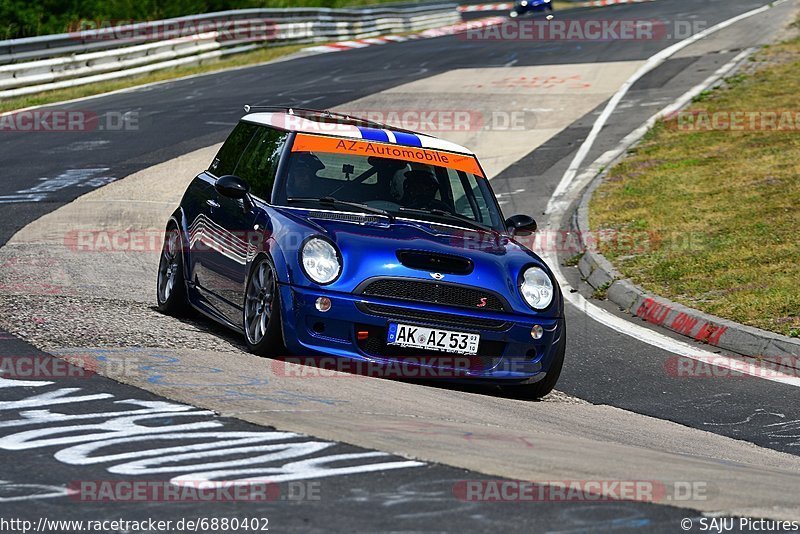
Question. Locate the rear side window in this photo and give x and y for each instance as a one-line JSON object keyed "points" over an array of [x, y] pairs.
{"points": [[228, 156], [259, 162]]}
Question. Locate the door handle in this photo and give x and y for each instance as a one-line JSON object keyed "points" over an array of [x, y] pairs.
{"points": [[213, 203]]}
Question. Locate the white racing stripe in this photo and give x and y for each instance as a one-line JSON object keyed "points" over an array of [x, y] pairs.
{"points": [[569, 188]]}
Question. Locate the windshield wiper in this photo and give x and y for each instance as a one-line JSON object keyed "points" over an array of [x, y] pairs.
{"points": [[330, 201], [447, 215]]}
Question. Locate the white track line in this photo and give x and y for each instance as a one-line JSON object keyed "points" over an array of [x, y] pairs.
{"points": [[607, 158], [650, 64], [569, 188]]}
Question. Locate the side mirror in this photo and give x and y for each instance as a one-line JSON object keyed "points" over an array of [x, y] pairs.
{"points": [[521, 225], [232, 187]]}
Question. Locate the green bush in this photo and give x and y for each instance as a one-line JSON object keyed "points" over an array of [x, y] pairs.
{"points": [[27, 18]]}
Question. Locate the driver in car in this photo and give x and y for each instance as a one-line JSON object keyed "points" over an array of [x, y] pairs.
{"points": [[419, 191], [302, 179]]}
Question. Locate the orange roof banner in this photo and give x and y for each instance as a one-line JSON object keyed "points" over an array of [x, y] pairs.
{"points": [[357, 147]]}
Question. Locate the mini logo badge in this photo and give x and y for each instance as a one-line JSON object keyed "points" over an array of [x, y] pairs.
{"points": [[437, 276], [482, 303]]}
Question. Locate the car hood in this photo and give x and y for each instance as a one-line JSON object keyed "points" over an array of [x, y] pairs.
{"points": [[485, 260]]}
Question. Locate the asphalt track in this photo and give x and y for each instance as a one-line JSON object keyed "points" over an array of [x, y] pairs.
{"points": [[604, 368]]}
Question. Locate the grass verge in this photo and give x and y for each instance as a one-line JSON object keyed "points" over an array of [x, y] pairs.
{"points": [[719, 207], [30, 18]]}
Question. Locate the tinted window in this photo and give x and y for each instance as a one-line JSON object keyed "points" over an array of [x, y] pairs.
{"points": [[468, 199], [260, 161], [228, 156], [391, 185]]}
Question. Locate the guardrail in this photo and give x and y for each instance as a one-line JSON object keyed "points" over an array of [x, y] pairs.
{"points": [[48, 62]]}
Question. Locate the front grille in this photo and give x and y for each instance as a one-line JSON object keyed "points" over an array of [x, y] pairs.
{"points": [[435, 293], [489, 352], [396, 312]]}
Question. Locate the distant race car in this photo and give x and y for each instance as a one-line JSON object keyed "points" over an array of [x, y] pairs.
{"points": [[322, 234], [522, 7]]}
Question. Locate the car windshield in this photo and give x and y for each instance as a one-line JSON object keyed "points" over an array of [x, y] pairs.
{"points": [[403, 185]]}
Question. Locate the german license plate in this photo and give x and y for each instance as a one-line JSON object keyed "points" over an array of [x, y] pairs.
{"points": [[419, 337]]}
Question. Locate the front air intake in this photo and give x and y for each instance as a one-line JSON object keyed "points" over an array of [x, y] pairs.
{"points": [[433, 262]]}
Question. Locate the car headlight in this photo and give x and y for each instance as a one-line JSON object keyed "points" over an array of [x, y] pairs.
{"points": [[536, 288], [320, 261]]}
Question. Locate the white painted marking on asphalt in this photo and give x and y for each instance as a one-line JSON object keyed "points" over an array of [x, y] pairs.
{"points": [[116, 427], [70, 178], [650, 64], [300, 470], [196, 453], [6, 383], [38, 491], [570, 187], [231, 457], [85, 453], [608, 157], [46, 399]]}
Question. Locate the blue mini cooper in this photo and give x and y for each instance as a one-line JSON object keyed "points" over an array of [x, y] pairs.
{"points": [[318, 234], [522, 7]]}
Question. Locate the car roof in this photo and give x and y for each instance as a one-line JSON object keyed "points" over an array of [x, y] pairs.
{"points": [[339, 126]]}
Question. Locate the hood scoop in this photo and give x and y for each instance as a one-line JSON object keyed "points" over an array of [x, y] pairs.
{"points": [[435, 262]]}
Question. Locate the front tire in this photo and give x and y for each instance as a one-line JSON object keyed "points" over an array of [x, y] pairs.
{"points": [[171, 285], [262, 310], [542, 388]]}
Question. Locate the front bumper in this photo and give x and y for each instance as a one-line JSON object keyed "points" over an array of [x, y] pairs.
{"points": [[507, 351]]}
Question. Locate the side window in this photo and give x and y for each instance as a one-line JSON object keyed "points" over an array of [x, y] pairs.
{"points": [[228, 156], [259, 162], [462, 198], [469, 197]]}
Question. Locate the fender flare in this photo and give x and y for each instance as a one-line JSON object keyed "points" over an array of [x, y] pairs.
{"points": [[178, 218]]}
